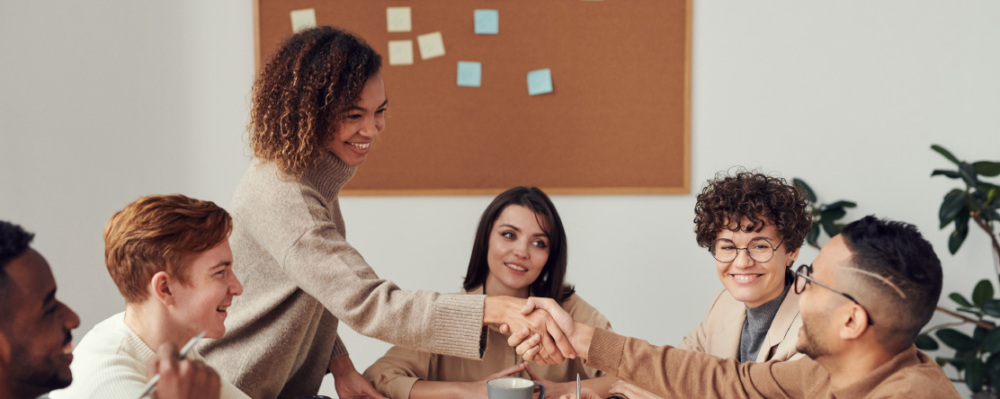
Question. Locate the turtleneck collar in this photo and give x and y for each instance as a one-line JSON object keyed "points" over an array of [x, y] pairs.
{"points": [[330, 174]]}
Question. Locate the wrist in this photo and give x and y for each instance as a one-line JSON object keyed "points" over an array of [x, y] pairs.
{"points": [[582, 335], [493, 310], [341, 366]]}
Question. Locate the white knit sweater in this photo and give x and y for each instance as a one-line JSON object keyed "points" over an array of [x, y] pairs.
{"points": [[110, 363]]}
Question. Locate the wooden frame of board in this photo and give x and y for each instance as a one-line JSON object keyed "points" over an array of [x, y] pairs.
{"points": [[617, 122]]}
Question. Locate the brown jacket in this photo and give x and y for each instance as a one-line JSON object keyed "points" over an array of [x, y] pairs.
{"points": [[674, 373], [719, 334], [396, 372]]}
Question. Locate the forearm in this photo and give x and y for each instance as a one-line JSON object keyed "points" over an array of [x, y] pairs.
{"points": [[447, 390]]}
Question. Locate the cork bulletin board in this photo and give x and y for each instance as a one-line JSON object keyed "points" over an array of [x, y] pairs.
{"points": [[615, 122]]}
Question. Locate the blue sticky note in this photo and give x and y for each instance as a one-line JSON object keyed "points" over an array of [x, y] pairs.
{"points": [[487, 22], [539, 82], [470, 73]]}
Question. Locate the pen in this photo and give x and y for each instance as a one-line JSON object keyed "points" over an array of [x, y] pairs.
{"points": [[151, 385], [577, 385]]}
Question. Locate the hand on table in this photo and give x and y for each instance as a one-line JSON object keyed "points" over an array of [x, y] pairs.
{"points": [[349, 383], [509, 313], [182, 379], [552, 389]]}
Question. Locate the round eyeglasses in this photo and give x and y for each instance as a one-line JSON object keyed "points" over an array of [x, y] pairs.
{"points": [[759, 249]]}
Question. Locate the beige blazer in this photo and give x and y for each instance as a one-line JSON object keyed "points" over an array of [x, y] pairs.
{"points": [[719, 334]]}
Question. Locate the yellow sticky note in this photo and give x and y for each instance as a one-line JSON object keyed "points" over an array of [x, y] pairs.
{"points": [[303, 19], [431, 45], [401, 52], [397, 19]]}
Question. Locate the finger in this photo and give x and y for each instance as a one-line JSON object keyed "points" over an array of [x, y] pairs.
{"points": [[528, 307], [505, 329], [529, 343], [561, 340], [531, 355], [508, 371], [550, 350], [518, 337]]}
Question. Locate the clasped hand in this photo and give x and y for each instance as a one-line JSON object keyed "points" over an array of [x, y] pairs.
{"points": [[540, 329]]}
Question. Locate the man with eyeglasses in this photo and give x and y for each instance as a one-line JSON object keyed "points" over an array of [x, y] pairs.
{"points": [[863, 302]]}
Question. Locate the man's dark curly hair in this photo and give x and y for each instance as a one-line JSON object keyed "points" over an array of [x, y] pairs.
{"points": [[759, 198], [301, 95], [13, 242]]}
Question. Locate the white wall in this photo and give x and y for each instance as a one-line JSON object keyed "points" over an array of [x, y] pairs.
{"points": [[106, 101]]}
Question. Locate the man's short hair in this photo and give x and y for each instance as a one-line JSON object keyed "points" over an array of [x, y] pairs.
{"points": [[14, 242], [160, 233], [900, 267]]}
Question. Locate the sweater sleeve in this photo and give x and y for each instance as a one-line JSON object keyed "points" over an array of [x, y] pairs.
{"points": [[394, 374], [302, 236], [671, 372]]}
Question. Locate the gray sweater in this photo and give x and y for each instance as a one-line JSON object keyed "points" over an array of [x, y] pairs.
{"points": [[301, 277]]}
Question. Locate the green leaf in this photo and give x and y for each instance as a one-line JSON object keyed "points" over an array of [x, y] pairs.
{"points": [[987, 168], [982, 293], [955, 339], [842, 204], [991, 343], [947, 173], [805, 189], [926, 343], [957, 237], [945, 153], [832, 214], [954, 202], [992, 307], [974, 374], [830, 228], [968, 174], [813, 235], [960, 300]]}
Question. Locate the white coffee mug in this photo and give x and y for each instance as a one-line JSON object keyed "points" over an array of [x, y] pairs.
{"points": [[513, 388]]}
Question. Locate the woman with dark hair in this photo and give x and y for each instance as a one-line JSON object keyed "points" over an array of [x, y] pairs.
{"points": [[319, 105], [520, 251], [753, 226]]}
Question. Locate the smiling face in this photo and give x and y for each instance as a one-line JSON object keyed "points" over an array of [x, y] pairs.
{"points": [[751, 282], [37, 333], [361, 124], [200, 304], [519, 248]]}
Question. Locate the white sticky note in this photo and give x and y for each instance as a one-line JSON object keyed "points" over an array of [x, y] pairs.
{"points": [[397, 19], [401, 52], [431, 45], [303, 19]]}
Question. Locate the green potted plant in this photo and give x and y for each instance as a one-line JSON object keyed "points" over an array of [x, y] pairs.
{"points": [[977, 356], [824, 215]]}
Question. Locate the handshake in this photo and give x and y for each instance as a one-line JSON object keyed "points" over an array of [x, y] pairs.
{"points": [[541, 330]]}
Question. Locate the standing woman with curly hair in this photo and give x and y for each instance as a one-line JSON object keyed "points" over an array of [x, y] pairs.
{"points": [[753, 226], [318, 107]]}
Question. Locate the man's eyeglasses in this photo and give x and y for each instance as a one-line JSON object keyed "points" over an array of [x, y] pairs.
{"points": [[802, 280], [759, 249]]}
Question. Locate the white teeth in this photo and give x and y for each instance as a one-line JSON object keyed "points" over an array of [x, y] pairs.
{"points": [[363, 146], [744, 278], [515, 267]]}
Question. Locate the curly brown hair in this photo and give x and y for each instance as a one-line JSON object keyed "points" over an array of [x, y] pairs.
{"points": [[759, 198], [160, 233], [303, 92]]}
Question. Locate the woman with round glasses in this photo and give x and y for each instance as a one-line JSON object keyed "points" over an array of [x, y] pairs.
{"points": [[753, 225]]}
